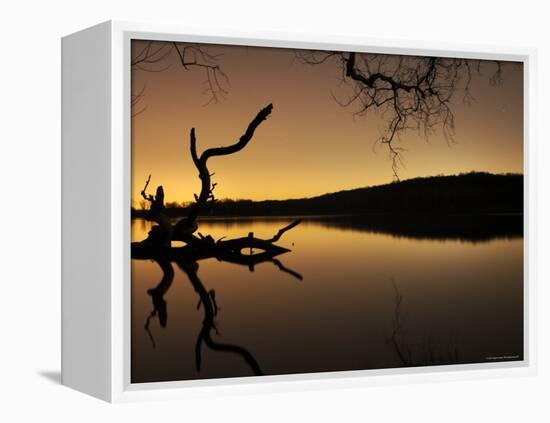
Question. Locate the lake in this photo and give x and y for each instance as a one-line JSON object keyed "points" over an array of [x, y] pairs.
{"points": [[354, 293]]}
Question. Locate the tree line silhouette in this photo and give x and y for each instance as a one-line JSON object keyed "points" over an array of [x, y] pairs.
{"points": [[470, 193]]}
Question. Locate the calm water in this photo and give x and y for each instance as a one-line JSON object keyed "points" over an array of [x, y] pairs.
{"points": [[369, 297]]}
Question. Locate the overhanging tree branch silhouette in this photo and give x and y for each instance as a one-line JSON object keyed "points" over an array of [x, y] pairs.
{"points": [[410, 92], [152, 58]]}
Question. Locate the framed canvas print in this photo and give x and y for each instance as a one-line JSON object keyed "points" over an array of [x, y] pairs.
{"points": [[271, 211]]}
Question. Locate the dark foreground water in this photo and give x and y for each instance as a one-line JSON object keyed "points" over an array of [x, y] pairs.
{"points": [[352, 294]]}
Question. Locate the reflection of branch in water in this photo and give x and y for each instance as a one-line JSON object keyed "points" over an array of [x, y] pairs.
{"points": [[187, 257], [210, 307], [281, 267], [157, 294], [423, 355], [212, 294], [255, 259], [404, 353], [151, 315]]}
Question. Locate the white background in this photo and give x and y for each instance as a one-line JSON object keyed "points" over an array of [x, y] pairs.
{"points": [[30, 211]]}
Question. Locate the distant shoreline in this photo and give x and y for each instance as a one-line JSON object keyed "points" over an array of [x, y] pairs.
{"points": [[466, 227], [475, 193], [342, 216]]}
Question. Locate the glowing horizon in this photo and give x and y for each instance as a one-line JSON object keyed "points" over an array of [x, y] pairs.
{"points": [[310, 145]]}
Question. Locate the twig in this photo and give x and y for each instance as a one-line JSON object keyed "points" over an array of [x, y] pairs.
{"points": [[144, 190], [153, 313], [283, 268], [283, 230]]}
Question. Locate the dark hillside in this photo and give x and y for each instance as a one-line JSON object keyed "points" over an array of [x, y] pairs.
{"points": [[471, 193]]}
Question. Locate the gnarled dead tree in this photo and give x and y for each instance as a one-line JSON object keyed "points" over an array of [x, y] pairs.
{"points": [[204, 246], [157, 247], [206, 195], [410, 92]]}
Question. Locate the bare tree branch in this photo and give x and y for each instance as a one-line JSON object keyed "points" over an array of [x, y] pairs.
{"points": [[283, 230], [144, 190], [202, 246], [409, 92], [152, 57], [206, 195]]}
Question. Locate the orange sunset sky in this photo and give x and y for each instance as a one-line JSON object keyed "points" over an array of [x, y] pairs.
{"points": [[310, 145]]}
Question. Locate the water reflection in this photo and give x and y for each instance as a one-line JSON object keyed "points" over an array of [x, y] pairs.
{"points": [[157, 294], [428, 352], [207, 301], [458, 301], [462, 227], [206, 298]]}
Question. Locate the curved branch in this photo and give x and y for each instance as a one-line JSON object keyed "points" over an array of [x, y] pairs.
{"points": [[186, 226], [283, 230], [152, 56], [144, 191], [208, 324], [411, 92], [243, 141], [285, 269]]}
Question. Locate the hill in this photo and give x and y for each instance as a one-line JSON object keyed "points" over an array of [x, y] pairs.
{"points": [[470, 193]]}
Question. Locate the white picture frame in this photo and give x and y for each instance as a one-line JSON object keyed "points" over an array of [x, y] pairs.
{"points": [[96, 189]]}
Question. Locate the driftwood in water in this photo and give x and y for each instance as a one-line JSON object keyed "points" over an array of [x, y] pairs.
{"points": [[198, 247], [157, 247], [231, 250]]}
